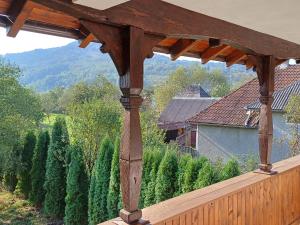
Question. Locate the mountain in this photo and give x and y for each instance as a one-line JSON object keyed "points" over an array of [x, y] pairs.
{"points": [[45, 69]]}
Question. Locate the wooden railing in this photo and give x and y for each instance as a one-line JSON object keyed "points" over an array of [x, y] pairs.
{"points": [[250, 199]]}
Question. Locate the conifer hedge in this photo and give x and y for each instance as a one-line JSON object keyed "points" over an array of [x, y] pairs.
{"points": [[231, 169], [166, 177], [10, 179], [55, 182], [206, 176], [113, 199], [77, 189], [38, 171], [183, 162], [100, 183], [24, 182]]}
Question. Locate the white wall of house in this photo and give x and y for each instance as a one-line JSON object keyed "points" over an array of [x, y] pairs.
{"points": [[223, 142]]}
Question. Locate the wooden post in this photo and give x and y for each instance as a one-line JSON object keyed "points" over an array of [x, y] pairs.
{"points": [[265, 71]]}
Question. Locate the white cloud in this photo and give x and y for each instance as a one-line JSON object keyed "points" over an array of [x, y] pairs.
{"points": [[27, 41]]}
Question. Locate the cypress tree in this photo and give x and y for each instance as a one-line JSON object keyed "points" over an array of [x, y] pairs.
{"points": [[183, 161], [231, 169], [113, 198], [11, 169], [166, 177], [24, 183], [206, 176], [100, 183], [38, 170], [55, 181], [191, 173], [150, 192], [77, 189]]}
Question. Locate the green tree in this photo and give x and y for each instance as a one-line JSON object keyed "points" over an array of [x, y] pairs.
{"points": [[293, 116], [55, 182], [231, 169], [191, 173], [38, 170], [207, 176], [24, 182], [166, 177], [113, 198], [150, 191], [183, 161], [100, 183], [77, 190]]}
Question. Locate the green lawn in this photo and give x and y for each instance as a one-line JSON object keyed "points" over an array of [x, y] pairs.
{"points": [[15, 211]]}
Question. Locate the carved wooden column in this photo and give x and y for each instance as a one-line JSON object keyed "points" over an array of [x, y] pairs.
{"points": [[128, 47], [265, 71]]}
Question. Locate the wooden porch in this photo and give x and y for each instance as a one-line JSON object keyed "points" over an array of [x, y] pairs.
{"points": [[250, 199]]}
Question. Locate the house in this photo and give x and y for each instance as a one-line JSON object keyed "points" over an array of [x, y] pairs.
{"points": [[182, 107], [229, 127]]}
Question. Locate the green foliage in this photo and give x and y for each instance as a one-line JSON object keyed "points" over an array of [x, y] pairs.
{"points": [[231, 169], [113, 199], [293, 116], [12, 165], [207, 176], [149, 197], [182, 165], [77, 190], [100, 183], [24, 182], [55, 182], [191, 173], [38, 170], [166, 177]]}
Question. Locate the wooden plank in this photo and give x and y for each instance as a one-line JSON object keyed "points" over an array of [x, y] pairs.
{"points": [[235, 57], [212, 53], [86, 41], [181, 46], [19, 12]]}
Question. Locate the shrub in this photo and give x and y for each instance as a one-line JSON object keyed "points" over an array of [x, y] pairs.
{"points": [[100, 183], [38, 170], [166, 177], [77, 189], [150, 191], [191, 173], [55, 182], [206, 176], [24, 183], [183, 161], [113, 198], [231, 169]]}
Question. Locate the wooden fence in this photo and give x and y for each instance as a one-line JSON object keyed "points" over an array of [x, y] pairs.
{"points": [[250, 199]]}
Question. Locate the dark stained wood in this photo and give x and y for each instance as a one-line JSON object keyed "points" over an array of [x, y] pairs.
{"points": [[265, 68], [214, 42], [159, 17], [180, 47], [86, 41], [235, 57], [19, 12], [212, 53]]}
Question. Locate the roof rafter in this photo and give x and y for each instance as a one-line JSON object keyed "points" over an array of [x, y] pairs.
{"points": [[212, 53], [182, 46], [19, 11], [235, 57], [86, 41]]}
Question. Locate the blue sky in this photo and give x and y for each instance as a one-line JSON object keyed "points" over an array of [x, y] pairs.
{"points": [[26, 41]]}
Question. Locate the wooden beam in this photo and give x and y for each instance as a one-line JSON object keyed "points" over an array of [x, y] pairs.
{"points": [[235, 57], [173, 20], [181, 46], [212, 53], [18, 13], [214, 42], [86, 41]]}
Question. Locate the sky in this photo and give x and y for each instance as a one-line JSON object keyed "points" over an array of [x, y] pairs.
{"points": [[27, 41]]}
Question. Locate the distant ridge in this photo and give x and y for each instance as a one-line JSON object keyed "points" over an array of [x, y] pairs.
{"points": [[45, 69]]}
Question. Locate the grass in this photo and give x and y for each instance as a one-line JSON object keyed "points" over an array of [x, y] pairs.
{"points": [[16, 211]]}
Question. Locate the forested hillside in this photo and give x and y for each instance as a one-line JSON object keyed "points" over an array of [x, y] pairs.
{"points": [[45, 69]]}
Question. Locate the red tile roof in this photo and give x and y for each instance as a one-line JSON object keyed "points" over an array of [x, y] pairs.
{"points": [[230, 110]]}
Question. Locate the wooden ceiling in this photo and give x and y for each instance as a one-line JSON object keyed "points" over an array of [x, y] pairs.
{"points": [[18, 15]]}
